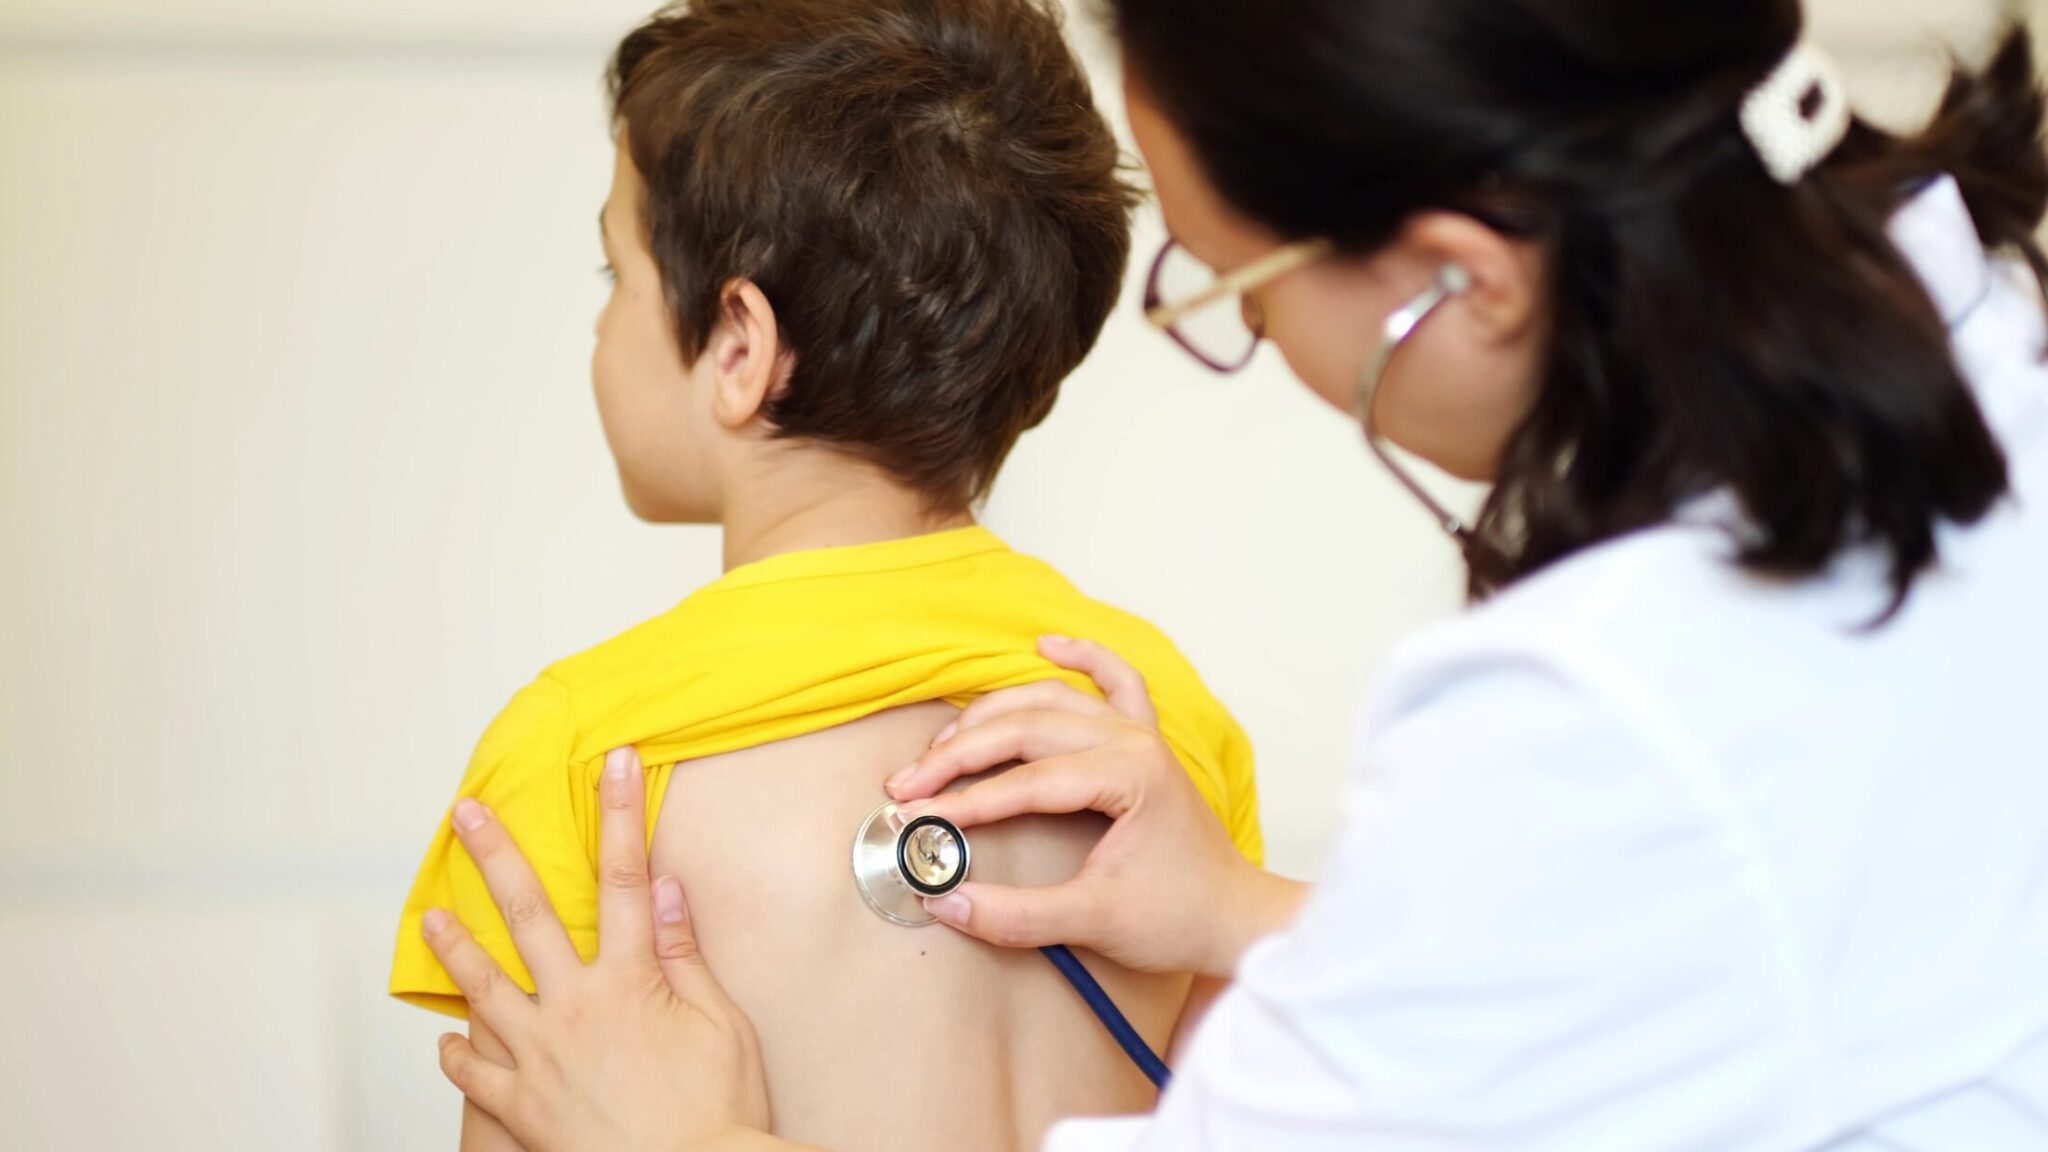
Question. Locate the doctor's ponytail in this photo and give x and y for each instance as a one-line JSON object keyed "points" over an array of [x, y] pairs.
{"points": [[1714, 330], [1987, 134]]}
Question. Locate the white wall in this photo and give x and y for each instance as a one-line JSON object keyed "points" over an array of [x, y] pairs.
{"points": [[299, 478]]}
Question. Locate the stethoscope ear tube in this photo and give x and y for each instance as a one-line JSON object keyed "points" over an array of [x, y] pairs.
{"points": [[1450, 281]]}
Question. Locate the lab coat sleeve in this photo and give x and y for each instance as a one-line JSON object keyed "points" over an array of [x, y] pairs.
{"points": [[1540, 929]]}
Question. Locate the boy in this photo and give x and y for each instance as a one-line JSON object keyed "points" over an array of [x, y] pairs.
{"points": [[857, 244]]}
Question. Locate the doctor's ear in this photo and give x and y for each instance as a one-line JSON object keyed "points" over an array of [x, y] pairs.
{"points": [[748, 362], [1501, 280]]}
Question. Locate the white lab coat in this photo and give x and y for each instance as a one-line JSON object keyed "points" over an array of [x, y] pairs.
{"points": [[1651, 853]]}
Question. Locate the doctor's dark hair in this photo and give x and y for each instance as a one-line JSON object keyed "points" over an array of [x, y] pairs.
{"points": [[923, 190], [1711, 328]]}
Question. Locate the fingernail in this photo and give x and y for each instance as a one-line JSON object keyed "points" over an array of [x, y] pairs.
{"points": [[617, 763], [900, 778], [945, 733], [1055, 639], [668, 900], [950, 908], [469, 815], [433, 921]]}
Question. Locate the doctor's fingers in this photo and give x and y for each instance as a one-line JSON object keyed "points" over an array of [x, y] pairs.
{"points": [[536, 932], [493, 997], [1044, 696], [1095, 780], [1068, 913], [625, 924], [1123, 685], [1017, 736]]}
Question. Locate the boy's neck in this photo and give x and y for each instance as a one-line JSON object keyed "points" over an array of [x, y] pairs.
{"points": [[797, 504]]}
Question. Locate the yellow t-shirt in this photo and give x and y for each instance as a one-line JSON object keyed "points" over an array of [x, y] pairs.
{"points": [[794, 644]]}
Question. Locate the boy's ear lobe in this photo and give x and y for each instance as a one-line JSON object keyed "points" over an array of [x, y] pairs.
{"points": [[747, 361]]}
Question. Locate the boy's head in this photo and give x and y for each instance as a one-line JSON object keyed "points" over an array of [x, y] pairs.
{"points": [[889, 227]]}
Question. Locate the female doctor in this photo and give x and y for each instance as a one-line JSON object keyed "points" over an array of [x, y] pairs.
{"points": [[1722, 821]]}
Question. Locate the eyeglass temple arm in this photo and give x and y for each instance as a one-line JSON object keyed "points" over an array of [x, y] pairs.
{"points": [[1269, 267]]}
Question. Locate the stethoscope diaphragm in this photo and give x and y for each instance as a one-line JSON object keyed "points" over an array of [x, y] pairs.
{"points": [[897, 863]]}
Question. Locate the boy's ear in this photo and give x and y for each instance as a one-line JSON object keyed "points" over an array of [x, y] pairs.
{"points": [[747, 362]]}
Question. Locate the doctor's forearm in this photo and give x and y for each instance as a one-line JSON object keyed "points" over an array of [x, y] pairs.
{"points": [[1258, 904]]}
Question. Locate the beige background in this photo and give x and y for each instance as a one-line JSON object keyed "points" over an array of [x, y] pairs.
{"points": [[299, 478]]}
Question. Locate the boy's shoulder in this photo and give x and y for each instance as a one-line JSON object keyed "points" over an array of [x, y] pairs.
{"points": [[623, 653], [1135, 638], [552, 709], [987, 603]]}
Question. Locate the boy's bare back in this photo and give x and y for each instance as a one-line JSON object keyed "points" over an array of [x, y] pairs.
{"points": [[879, 1037]]}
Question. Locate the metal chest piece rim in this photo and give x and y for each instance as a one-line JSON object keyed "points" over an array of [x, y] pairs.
{"points": [[896, 868]]}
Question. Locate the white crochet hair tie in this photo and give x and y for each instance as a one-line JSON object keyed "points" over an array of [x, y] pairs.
{"points": [[1798, 115]]}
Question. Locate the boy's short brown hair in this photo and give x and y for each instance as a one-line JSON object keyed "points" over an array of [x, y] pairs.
{"points": [[923, 189]]}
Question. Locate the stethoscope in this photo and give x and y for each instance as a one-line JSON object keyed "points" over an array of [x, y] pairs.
{"points": [[896, 869], [1451, 280]]}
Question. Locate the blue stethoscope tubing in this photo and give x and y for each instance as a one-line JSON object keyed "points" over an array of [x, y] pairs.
{"points": [[1105, 1010]]}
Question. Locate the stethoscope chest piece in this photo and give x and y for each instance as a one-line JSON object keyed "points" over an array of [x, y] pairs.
{"points": [[895, 868]]}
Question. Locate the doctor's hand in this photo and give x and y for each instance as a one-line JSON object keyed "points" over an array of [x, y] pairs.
{"points": [[1164, 889], [639, 1050]]}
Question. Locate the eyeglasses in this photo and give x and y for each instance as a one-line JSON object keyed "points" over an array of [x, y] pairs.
{"points": [[1182, 298], [1225, 339]]}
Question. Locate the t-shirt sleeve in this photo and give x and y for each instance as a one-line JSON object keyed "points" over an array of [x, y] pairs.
{"points": [[520, 770], [1214, 749], [1242, 815], [1202, 734], [1218, 759]]}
